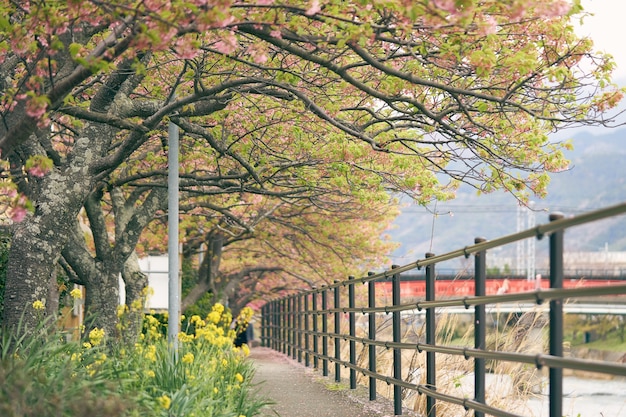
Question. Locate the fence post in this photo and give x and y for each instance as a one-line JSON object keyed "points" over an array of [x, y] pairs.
{"points": [[299, 326], [275, 323], [264, 322], [397, 338], [275, 328], [325, 332], [307, 318], [284, 324], [371, 303], [480, 272], [352, 318], [271, 323], [556, 318], [315, 329], [291, 326], [431, 370], [337, 334], [294, 326]]}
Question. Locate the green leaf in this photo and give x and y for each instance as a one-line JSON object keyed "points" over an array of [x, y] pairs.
{"points": [[73, 49]]}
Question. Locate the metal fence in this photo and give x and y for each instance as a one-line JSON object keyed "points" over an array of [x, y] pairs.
{"points": [[299, 324]]}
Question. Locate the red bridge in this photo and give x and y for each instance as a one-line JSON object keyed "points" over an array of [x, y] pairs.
{"points": [[453, 286]]}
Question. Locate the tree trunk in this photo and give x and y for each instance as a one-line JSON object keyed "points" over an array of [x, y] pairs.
{"points": [[101, 301], [39, 239], [31, 260], [208, 271], [136, 283], [52, 305]]}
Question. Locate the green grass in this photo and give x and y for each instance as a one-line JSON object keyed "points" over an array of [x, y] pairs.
{"points": [[613, 343]]}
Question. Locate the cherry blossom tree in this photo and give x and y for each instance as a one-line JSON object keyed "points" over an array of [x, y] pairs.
{"points": [[415, 96]]}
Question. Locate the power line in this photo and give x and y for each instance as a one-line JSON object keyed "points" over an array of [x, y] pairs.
{"points": [[443, 210]]}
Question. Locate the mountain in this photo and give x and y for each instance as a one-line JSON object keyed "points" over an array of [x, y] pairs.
{"points": [[596, 179]]}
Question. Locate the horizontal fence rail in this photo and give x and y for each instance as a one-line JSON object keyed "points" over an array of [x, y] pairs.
{"points": [[298, 324]]}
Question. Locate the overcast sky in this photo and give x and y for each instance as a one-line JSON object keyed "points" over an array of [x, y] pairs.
{"points": [[608, 30]]}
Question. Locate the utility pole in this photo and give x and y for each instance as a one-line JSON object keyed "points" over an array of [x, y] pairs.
{"points": [[520, 247], [530, 243], [173, 321], [525, 250]]}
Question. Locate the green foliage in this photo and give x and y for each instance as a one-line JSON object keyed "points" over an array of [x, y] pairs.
{"points": [[604, 332], [44, 375], [41, 376]]}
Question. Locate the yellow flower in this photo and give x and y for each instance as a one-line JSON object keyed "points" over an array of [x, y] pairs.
{"points": [[38, 305], [239, 377], [214, 317], [150, 373], [165, 401], [218, 307], [215, 390], [76, 294], [150, 353], [95, 336], [121, 310], [184, 337], [101, 360], [137, 304], [246, 314], [188, 357], [87, 345]]}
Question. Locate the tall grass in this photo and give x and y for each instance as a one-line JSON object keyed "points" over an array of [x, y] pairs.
{"points": [[42, 374], [513, 383]]}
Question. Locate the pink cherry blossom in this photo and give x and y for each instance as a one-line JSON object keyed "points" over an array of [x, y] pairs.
{"points": [[185, 49], [489, 26], [228, 44], [18, 214], [556, 9], [38, 171], [447, 5], [36, 108], [8, 192], [314, 8], [258, 53]]}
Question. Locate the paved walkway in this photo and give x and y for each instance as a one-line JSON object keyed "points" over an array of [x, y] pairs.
{"points": [[298, 391]]}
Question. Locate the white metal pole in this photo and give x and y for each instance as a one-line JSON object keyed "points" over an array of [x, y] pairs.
{"points": [[173, 322]]}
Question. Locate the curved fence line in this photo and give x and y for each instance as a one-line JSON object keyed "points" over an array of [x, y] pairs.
{"points": [[299, 325]]}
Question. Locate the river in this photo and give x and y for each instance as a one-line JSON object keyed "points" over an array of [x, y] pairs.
{"points": [[585, 398]]}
